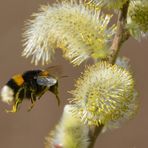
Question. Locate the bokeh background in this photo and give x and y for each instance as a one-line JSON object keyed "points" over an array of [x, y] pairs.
{"points": [[29, 129]]}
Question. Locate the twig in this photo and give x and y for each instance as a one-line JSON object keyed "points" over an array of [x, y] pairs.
{"points": [[121, 35], [94, 132]]}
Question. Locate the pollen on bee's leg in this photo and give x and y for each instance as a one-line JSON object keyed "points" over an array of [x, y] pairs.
{"points": [[14, 110], [15, 107]]}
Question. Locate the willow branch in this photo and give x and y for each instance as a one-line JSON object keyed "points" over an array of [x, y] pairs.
{"points": [[93, 134], [120, 37]]}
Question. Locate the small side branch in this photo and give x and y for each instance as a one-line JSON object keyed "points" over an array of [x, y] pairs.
{"points": [[121, 35]]}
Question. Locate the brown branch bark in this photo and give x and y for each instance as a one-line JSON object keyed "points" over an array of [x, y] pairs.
{"points": [[120, 37], [93, 134]]}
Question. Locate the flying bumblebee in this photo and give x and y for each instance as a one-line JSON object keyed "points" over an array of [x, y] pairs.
{"points": [[31, 84]]}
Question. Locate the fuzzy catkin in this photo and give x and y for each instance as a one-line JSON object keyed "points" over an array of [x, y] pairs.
{"points": [[69, 133], [112, 4], [80, 31], [104, 93], [137, 18]]}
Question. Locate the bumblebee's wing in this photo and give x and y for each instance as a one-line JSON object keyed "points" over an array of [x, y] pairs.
{"points": [[46, 81], [55, 71], [51, 83]]}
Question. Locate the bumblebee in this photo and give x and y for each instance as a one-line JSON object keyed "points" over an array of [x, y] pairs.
{"points": [[31, 84]]}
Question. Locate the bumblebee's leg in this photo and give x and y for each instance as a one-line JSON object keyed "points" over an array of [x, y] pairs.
{"points": [[42, 93], [15, 106], [58, 99], [33, 100], [17, 102]]}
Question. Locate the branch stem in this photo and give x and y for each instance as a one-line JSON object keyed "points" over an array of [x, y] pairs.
{"points": [[121, 35], [94, 132]]}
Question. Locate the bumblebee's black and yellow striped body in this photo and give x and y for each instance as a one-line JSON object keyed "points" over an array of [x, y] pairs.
{"points": [[31, 84]]}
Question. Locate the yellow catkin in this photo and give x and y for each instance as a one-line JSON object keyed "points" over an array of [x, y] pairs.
{"points": [[104, 93], [138, 18], [81, 31]]}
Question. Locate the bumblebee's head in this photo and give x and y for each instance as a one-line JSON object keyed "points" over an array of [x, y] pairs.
{"points": [[7, 94]]}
